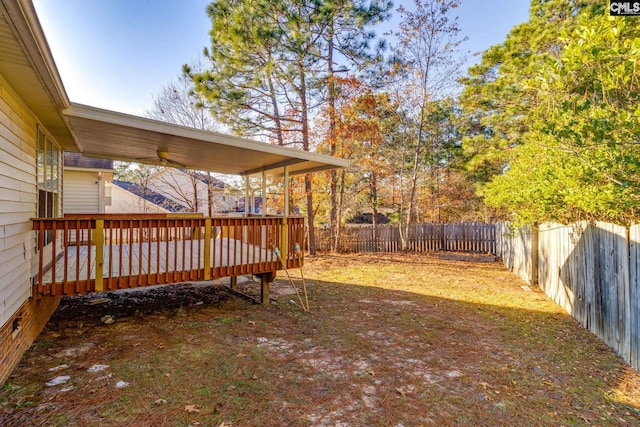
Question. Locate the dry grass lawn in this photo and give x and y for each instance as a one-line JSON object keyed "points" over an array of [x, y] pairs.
{"points": [[393, 340]]}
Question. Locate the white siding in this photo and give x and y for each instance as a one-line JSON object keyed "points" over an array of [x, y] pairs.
{"points": [[123, 201], [81, 192], [18, 198], [178, 186]]}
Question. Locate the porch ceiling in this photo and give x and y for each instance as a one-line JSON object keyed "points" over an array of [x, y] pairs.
{"points": [[111, 135]]}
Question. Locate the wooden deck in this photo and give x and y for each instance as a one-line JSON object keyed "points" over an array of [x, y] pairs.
{"points": [[83, 255]]}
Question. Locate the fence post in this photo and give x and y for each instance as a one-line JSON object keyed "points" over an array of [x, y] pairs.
{"points": [[534, 253]]}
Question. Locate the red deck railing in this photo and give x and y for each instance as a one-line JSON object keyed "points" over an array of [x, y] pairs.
{"points": [[82, 254]]}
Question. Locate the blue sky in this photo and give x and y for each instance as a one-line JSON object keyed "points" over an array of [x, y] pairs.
{"points": [[117, 54]]}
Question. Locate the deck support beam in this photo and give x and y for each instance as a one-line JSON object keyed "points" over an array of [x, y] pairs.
{"points": [[265, 287], [234, 283], [265, 290]]}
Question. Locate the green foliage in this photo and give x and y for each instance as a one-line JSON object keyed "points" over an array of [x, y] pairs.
{"points": [[133, 172], [494, 99], [268, 60], [567, 126], [428, 38]]}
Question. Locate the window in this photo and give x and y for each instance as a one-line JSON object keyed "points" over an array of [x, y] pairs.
{"points": [[49, 171]]}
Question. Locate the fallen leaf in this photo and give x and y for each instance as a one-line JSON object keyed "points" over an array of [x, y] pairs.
{"points": [[371, 372], [191, 408], [411, 388], [401, 391], [485, 385], [160, 346], [252, 323], [160, 402]]}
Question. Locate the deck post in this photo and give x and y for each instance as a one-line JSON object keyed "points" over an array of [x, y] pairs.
{"points": [[247, 190], [234, 283], [207, 249], [263, 194], [286, 192], [98, 241], [285, 227], [265, 289]]}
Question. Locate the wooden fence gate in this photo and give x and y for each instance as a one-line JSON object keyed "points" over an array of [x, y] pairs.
{"points": [[473, 237]]}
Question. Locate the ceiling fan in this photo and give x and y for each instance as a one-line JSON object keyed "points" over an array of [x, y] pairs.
{"points": [[162, 160]]}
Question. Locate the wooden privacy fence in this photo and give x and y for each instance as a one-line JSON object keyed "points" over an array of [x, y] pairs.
{"points": [[591, 269], [424, 237]]}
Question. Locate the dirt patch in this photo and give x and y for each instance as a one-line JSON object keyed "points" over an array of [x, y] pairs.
{"points": [[402, 340], [91, 308]]}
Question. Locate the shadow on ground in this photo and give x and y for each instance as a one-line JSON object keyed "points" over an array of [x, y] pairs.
{"points": [[393, 340]]}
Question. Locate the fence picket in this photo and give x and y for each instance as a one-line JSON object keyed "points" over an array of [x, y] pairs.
{"points": [[592, 270]]}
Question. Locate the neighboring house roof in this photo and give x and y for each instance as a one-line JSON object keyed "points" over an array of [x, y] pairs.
{"points": [[150, 196], [77, 160]]}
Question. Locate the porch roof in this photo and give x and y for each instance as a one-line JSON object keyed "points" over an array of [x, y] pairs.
{"points": [[27, 64], [112, 135]]}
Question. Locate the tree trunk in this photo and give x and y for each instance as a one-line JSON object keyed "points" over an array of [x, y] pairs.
{"points": [[333, 177], [374, 204], [276, 113], [403, 229], [305, 146], [194, 183]]}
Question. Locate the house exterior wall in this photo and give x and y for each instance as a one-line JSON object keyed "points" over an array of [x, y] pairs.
{"points": [[179, 187], [83, 192], [21, 317], [123, 201]]}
